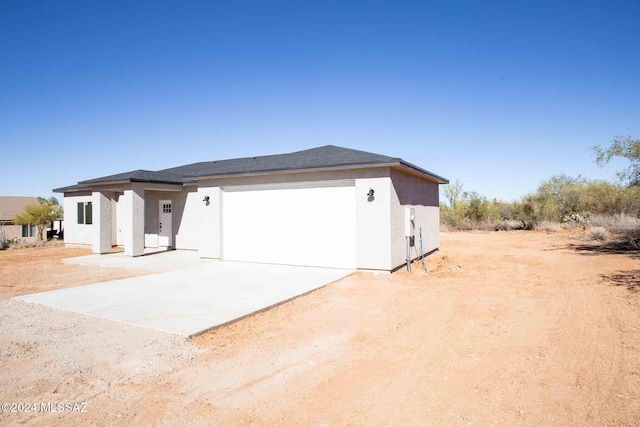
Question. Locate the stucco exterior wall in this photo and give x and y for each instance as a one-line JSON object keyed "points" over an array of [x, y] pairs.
{"points": [[210, 235], [373, 225], [373, 231], [299, 177], [74, 233], [13, 230], [411, 191], [186, 221]]}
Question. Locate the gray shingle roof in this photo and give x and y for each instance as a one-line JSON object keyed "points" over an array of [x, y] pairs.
{"points": [[325, 157], [315, 158]]}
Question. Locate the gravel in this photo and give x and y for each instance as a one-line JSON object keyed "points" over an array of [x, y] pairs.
{"points": [[45, 349]]}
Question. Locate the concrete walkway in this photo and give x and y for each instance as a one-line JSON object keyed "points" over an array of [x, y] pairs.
{"points": [[192, 300], [154, 259]]}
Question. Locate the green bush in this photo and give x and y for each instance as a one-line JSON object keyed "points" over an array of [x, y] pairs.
{"points": [[560, 199]]}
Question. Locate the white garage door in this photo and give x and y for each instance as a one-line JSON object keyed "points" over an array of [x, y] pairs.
{"points": [[313, 226]]}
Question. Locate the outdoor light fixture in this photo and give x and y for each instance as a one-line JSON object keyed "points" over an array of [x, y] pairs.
{"points": [[206, 200], [370, 197]]}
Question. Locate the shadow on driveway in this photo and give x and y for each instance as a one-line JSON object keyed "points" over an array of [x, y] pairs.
{"points": [[606, 248], [629, 279]]}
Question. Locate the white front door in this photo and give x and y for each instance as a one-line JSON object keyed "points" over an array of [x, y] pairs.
{"points": [[164, 223]]}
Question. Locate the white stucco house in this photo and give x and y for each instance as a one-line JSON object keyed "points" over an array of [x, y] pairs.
{"points": [[327, 206]]}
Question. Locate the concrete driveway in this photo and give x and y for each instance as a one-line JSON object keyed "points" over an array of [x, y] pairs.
{"points": [[192, 300]]}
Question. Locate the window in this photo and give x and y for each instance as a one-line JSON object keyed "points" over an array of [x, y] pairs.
{"points": [[28, 231], [80, 213], [88, 213], [85, 213], [166, 208]]}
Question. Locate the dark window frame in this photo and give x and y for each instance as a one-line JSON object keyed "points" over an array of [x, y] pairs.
{"points": [[80, 212], [88, 213], [85, 213], [28, 230]]}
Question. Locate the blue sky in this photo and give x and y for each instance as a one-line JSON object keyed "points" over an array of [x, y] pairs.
{"points": [[500, 95]]}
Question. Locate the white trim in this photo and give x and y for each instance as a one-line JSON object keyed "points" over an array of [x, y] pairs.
{"points": [[290, 185]]}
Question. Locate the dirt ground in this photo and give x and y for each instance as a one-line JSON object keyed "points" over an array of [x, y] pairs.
{"points": [[507, 328], [40, 269]]}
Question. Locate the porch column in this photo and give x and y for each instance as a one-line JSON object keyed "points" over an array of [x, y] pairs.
{"points": [[133, 221], [101, 213]]}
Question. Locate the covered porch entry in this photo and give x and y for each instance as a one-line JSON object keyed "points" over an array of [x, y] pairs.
{"points": [[134, 216]]}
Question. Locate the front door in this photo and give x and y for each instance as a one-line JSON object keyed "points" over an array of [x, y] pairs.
{"points": [[164, 223]]}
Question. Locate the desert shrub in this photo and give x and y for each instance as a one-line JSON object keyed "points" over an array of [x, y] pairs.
{"points": [[508, 225], [570, 202], [598, 233], [17, 243], [546, 226], [479, 209], [4, 242], [632, 235], [507, 211], [618, 223], [576, 218], [566, 199], [466, 224], [470, 212]]}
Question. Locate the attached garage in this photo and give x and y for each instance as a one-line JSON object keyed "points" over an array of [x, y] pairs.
{"points": [[310, 225]]}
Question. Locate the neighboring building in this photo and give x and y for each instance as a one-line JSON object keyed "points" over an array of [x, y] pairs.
{"points": [[9, 208], [327, 206]]}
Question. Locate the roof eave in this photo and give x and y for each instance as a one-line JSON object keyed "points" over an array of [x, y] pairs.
{"points": [[70, 189], [89, 186], [432, 176]]}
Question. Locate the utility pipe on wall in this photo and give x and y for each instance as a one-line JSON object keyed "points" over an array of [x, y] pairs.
{"points": [[422, 251], [408, 253]]}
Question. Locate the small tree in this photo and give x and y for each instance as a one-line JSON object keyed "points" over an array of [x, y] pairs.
{"points": [[453, 193], [51, 201], [40, 215], [626, 147]]}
